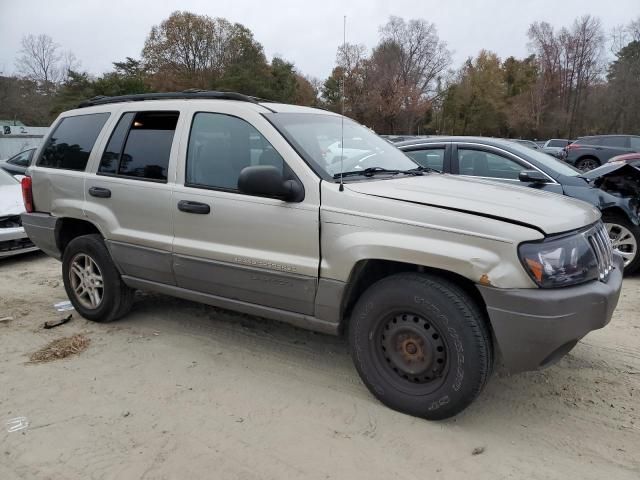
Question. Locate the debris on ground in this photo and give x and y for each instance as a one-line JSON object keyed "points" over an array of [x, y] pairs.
{"points": [[17, 424], [56, 323], [477, 451], [63, 306], [6, 319], [61, 348]]}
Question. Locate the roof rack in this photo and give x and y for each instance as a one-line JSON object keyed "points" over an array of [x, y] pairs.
{"points": [[186, 94]]}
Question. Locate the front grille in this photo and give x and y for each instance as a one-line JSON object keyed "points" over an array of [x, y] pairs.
{"points": [[601, 244]]}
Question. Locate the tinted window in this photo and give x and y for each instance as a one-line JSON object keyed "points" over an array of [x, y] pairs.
{"points": [[484, 164], [71, 142], [557, 143], [22, 159], [430, 158], [613, 142], [148, 146], [635, 143], [220, 146], [111, 156]]}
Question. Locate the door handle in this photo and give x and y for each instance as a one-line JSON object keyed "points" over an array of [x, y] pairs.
{"points": [[100, 192], [193, 207]]}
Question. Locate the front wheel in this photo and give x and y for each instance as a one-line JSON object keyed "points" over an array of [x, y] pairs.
{"points": [[421, 345], [92, 281], [625, 238]]}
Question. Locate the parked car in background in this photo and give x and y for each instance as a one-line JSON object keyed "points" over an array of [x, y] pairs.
{"points": [[13, 239], [527, 143], [508, 162], [18, 164], [630, 158], [429, 275], [587, 153], [555, 146]]}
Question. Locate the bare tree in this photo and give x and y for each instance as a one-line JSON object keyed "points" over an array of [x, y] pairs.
{"points": [[38, 61], [69, 63], [569, 61], [422, 56]]}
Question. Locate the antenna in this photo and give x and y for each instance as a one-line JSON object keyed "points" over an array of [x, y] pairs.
{"points": [[344, 53]]}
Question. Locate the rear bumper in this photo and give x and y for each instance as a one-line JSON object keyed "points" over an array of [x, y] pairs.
{"points": [[14, 241], [41, 229], [534, 328]]}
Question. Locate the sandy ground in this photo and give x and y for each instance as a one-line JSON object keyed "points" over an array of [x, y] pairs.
{"points": [[181, 390]]}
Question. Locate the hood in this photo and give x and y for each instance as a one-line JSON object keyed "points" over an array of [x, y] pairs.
{"points": [[11, 200], [546, 212]]}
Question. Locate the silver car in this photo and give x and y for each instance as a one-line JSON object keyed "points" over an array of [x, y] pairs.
{"points": [[13, 239]]}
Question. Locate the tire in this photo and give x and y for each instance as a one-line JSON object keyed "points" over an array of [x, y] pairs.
{"points": [[620, 230], [587, 163], [115, 298], [437, 378]]}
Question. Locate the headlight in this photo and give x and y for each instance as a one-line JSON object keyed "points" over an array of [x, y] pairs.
{"points": [[558, 262]]}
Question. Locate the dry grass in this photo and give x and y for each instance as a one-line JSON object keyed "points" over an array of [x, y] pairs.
{"points": [[61, 348]]}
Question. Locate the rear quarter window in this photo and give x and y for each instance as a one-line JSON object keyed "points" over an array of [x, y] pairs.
{"points": [[70, 144]]}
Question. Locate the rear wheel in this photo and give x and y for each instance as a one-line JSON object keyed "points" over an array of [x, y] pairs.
{"points": [[421, 345], [587, 163], [92, 281], [625, 238]]}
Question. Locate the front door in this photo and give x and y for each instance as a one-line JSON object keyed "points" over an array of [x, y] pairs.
{"points": [[489, 163], [253, 249]]}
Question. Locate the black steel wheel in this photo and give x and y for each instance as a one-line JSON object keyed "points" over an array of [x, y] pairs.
{"points": [[421, 344]]}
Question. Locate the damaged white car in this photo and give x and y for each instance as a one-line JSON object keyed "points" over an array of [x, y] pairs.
{"points": [[13, 239]]}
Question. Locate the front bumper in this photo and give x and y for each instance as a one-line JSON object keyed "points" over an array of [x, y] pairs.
{"points": [[14, 241], [534, 328]]}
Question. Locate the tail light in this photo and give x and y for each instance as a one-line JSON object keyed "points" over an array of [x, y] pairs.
{"points": [[571, 146], [27, 194]]}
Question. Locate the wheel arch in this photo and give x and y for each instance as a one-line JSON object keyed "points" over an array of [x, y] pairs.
{"points": [[68, 228], [368, 271]]}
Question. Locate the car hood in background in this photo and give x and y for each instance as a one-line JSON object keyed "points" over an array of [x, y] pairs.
{"points": [[547, 212], [11, 200]]}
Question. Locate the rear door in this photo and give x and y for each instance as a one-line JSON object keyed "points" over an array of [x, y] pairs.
{"points": [[129, 195], [609, 147], [248, 248]]}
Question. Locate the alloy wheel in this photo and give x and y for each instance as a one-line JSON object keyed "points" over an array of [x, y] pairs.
{"points": [[623, 242], [86, 281]]}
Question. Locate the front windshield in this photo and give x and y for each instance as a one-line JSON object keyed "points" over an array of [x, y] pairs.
{"points": [[552, 163], [319, 139]]}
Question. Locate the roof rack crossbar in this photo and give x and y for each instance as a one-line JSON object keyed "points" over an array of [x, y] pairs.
{"points": [[187, 94]]}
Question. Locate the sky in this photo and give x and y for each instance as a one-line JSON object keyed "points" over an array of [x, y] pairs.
{"points": [[304, 32]]}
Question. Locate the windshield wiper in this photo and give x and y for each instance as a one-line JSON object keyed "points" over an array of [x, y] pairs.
{"points": [[371, 171]]}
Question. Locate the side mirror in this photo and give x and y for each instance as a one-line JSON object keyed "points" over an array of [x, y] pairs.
{"points": [[267, 181], [533, 176]]}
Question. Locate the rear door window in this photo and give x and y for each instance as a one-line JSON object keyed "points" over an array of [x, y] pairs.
{"points": [[70, 144], [618, 142], [140, 146]]}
